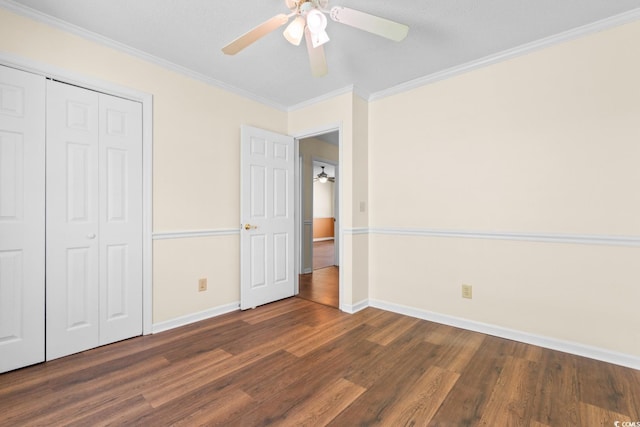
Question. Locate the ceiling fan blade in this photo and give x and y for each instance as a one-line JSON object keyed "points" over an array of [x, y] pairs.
{"points": [[317, 59], [255, 34], [371, 23]]}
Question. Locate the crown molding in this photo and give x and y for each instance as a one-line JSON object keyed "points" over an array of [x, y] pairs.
{"points": [[594, 27], [604, 24], [359, 92], [121, 47], [321, 98]]}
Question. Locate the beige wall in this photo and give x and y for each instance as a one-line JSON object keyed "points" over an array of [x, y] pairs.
{"points": [[323, 199], [545, 143], [196, 158]]}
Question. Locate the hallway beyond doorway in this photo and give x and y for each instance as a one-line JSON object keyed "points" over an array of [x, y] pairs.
{"points": [[321, 286], [323, 254]]}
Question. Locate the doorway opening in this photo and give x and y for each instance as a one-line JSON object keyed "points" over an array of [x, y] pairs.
{"points": [[319, 279]]}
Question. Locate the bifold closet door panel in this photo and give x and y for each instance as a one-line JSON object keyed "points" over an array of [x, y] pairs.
{"points": [[94, 219], [120, 219], [72, 201], [22, 218]]}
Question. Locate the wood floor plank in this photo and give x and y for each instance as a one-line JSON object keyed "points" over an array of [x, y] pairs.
{"points": [[610, 387], [327, 403], [333, 359], [440, 334], [219, 411], [215, 405], [385, 392], [270, 311], [389, 332], [128, 383], [511, 401], [166, 387], [321, 286], [383, 318], [456, 352], [206, 341], [262, 334], [119, 414], [557, 395], [53, 405], [329, 331], [259, 384], [466, 403], [591, 415], [420, 402], [228, 365], [323, 254], [387, 359], [309, 374]]}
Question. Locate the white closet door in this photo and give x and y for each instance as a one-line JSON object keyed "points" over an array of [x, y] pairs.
{"points": [[72, 220], [22, 218], [94, 219], [120, 219]]}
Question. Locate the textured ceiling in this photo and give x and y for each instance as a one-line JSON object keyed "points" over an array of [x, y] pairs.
{"points": [[443, 34]]}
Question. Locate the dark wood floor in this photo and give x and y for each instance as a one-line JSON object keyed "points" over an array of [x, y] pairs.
{"points": [[323, 254], [296, 363], [321, 286]]}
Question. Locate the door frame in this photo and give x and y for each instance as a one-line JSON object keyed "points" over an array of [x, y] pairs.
{"points": [[146, 99], [299, 223]]}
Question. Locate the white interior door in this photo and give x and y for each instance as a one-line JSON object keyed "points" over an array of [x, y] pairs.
{"points": [[267, 258], [120, 231], [22, 218], [94, 219], [72, 220]]}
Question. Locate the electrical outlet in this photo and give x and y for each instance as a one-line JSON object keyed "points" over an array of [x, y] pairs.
{"points": [[467, 291], [202, 285]]}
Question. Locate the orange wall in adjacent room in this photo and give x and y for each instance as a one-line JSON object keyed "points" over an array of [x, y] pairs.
{"points": [[322, 228]]}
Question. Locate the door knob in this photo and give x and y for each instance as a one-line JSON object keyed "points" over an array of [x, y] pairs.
{"points": [[249, 227], [91, 236]]}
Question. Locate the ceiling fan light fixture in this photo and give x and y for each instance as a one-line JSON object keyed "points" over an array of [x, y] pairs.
{"points": [[317, 24], [294, 31], [316, 21], [318, 39], [322, 176], [311, 22]]}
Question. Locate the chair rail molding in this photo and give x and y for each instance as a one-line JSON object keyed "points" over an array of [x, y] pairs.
{"points": [[187, 234], [584, 239]]}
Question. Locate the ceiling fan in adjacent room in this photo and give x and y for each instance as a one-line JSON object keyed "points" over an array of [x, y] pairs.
{"points": [[310, 22], [323, 177]]}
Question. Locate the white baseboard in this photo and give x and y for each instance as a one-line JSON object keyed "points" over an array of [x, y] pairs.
{"points": [[578, 349], [354, 308], [194, 317], [322, 239]]}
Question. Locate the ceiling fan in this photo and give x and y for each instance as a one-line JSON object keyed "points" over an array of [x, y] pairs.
{"points": [[323, 177], [310, 21]]}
